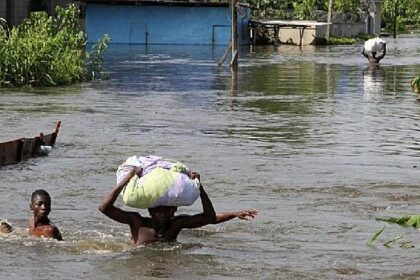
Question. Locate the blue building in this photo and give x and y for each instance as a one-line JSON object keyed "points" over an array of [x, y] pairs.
{"points": [[189, 22]]}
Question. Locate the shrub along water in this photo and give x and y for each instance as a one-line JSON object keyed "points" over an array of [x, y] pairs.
{"points": [[48, 51]]}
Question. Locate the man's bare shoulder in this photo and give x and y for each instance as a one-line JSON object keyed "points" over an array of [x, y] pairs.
{"points": [[137, 220]]}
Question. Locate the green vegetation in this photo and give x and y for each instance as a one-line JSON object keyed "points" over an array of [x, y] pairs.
{"points": [[405, 244], [301, 9], [376, 235], [415, 84], [408, 221], [341, 41], [404, 13], [48, 51], [344, 10]]}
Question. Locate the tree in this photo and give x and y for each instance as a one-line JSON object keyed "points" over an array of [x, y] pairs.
{"points": [[404, 14], [46, 51]]}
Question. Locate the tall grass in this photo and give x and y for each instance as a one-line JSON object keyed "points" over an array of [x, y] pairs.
{"points": [[48, 51]]}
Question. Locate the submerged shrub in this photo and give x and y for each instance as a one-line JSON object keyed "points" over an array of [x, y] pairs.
{"points": [[94, 59], [46, 50]]}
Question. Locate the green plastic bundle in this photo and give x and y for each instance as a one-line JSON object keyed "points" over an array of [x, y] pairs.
{"points": [[408, 221], [415, 84]]}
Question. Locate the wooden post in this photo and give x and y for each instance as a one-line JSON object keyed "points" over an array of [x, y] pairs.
{"points": [[276, 35], [395, 18], [327, 33], [225, 54], [234, 88], [234, 8]]}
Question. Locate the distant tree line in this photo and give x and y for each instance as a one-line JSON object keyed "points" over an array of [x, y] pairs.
{"points": [[406, 11], [404, 14], [301, 9]]}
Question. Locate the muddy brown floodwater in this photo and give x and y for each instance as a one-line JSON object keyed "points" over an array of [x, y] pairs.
{"points": [[318, 142]]}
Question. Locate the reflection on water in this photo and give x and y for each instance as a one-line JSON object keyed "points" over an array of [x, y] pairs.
{"points": [[314, 138], [373, 80], [157, 262]]}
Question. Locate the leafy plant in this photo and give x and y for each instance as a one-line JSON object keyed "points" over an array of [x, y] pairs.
{"points": [[301, 9], [405, 13], [409, 220], [389, 242], [376, 235], [95, 64], [341, 41], [46, 50], [408, 16]]}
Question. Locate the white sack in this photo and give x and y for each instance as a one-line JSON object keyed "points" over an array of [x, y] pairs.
{"points": [[162, 183], [374, 45]]}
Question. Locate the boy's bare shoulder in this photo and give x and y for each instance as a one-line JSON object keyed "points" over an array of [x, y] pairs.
{"points": [[47, 231]]}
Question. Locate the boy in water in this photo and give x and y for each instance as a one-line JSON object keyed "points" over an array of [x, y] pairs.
{"points": [[40, 224], [162, 224]]}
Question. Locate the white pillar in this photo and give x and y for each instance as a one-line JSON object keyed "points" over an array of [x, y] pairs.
{"points": [[377, 17]]}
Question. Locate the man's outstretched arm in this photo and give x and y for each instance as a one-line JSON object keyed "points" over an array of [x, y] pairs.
{"points": [[241, 214], [208, 216], [107, 206]]}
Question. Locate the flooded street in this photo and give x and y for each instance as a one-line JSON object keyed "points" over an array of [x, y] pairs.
{"points": [[316, 140]]}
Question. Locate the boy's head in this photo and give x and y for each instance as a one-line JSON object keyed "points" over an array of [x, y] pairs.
{"points": [[162, 214], [40, 203]]}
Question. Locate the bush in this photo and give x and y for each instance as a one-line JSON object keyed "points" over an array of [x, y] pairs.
{"points": [[408, 16], [46, 51], [341, 41], [301, 9]]}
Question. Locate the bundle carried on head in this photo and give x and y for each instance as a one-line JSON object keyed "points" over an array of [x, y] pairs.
{"points": [[374, 45], [162, 183]]}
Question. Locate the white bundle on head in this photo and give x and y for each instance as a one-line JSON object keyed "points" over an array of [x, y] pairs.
{"points": [[374, 45], [162, 183]]}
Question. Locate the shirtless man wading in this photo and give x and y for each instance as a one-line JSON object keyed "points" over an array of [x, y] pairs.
{"points": [[163, 225]]}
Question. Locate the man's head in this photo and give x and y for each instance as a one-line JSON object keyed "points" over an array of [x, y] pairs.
{"points": [[40, 203], [162, 214]]}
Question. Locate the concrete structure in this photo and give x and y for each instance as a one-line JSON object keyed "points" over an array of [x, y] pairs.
{"points": [[164, 22], [348, 29], [373, 18], [295, 32], [15, 11], [311, 33]]}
